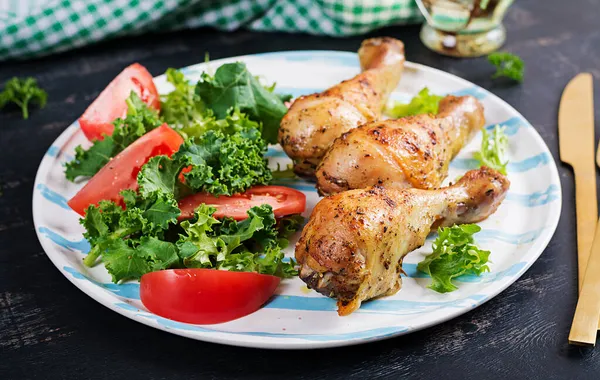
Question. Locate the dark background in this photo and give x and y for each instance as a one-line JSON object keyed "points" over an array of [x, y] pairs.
{"points": [[50, 329]]}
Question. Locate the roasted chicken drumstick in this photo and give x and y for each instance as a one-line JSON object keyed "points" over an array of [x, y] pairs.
{"points": [[401, 153], [314, 121], [353, 245]]}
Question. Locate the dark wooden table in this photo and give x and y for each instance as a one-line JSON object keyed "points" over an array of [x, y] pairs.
{"points": [[50, 329]]}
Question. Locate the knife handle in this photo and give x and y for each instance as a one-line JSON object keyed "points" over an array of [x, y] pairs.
{"points": [[585, 322], [587, 213]]}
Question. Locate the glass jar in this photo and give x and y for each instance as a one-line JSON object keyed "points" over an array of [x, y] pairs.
{"points": [[463, 28]]}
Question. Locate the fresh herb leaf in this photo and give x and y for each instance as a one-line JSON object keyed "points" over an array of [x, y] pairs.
{"points": [[239, 164], [234, 86], [248, 246], [214, 163], [160, 175], [161, 212], [288, 226], [88, 162], [272, 263], [140, 120], [507, 65], [109, 222], [423, 103], [287, 173], [124, 262], [493, 151], [182, 107], [285, 97], [234, 121], [22, 92], [454, 254], [271, 88]]}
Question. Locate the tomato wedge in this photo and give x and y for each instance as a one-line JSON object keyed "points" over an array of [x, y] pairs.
{"points": [[285, 201], [110, 104], [120, 173], [205, 296]]}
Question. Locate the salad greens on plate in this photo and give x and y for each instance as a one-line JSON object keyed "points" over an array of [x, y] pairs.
{"points": [[226, 122]]}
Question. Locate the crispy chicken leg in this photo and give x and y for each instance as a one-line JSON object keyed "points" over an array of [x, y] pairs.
{"points": [[402, 153], [354, 243], [314, 121]]}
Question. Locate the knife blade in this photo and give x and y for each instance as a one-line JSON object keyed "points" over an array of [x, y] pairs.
{"points": [[576, 141]]}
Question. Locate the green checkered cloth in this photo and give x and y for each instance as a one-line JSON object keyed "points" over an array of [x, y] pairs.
{"points": [[31, 28]]}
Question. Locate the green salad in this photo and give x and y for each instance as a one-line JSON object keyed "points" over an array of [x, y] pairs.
{"points": [[225, 123]]}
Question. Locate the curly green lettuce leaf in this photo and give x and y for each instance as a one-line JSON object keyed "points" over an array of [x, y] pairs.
{"points": [[233, 86], [507, 65], [140, 120], [288, 226], [196, 248], [239, 165], [88, 162], [249, 245], [160, 175], [124, 262], [494, 148], [215, 163], [182, 108], [234, 121], [108, 222], [23, 92], [423, 103], [454, 254]]}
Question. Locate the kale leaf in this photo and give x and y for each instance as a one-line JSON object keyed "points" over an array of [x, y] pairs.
{"points": [[233, 86]]}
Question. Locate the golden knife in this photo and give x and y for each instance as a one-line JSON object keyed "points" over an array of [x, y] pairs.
{"points": [[576, 139], [585, 322]]}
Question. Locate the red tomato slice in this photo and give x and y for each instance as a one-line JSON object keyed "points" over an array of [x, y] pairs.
{"points": [[205, 296], [285, 201], [120, 173], [110, 104]]}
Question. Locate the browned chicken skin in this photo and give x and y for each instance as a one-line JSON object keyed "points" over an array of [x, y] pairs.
{"points": [[402, 153], [354, 243], [314, 121]]}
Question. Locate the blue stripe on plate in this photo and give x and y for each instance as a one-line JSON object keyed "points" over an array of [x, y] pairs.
{"points": [[274, 152], [307, 188], [364, 334], [511, 126], [81, 246], [187, 71], [538, 198], [53, 196], [53, 151], [527, 164], [384, 305], [318, 303], [127, 290], [510, 238], [474, 91]]}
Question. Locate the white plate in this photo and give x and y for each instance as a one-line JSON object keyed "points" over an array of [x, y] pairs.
{"points": [[296, 317]]}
